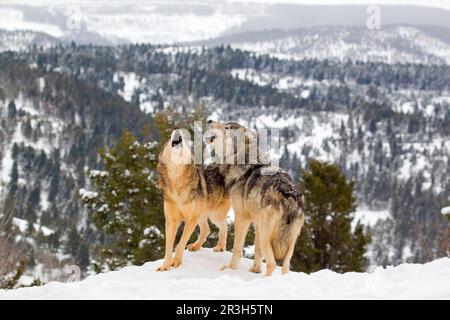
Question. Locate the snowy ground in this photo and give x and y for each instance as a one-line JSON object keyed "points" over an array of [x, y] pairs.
{"points": [[199, 278], [369, 217]]}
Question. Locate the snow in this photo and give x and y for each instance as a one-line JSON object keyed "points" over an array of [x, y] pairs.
{"points": [[134, 190], [305, 94], [87, 195], [146, 107], [98, 173], [280, 82], [51, 125], [445, 211], [22, 225], [152, 230], [339, 44], [369, 217], [41, 84], [406, 108], [131, 83], [134, 27], [247, 74], [130, 22], [199, 278]]}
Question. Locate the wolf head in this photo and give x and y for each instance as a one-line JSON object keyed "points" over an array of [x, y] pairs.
{"points": [[232, 142], [218, 130], [178, 149]]}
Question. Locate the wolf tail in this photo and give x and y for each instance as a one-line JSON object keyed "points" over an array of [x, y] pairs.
{"points": [[288, 228]]}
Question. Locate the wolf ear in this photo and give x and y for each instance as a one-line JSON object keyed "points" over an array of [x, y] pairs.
{"points": [[232, 125]]}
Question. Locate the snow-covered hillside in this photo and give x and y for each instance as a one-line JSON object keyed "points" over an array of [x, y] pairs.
{"points": [[391, 44], [178, 21], [134, 21], [20, 39], [199, 278]]}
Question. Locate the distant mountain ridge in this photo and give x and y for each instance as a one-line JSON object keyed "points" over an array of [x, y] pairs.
{"points": [[176, 21], [391, 44], [289, 16]]}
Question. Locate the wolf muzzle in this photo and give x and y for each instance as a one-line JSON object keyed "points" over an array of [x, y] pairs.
{"points": [[177, 138], [209, 138]]}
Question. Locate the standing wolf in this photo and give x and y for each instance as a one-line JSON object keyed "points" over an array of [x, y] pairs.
{"points": [[192, 193], [259, 193]]}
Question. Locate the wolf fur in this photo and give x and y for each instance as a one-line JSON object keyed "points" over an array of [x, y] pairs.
{"points": [[261, 194], [192, 194]]}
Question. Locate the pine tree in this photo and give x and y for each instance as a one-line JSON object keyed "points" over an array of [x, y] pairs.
{"points": [[12, 110], [14, 182], [327, 240], [127, 205]]}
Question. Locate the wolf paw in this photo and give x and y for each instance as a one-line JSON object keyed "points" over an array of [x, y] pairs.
{"points": [[164, 267], [269, 271], [227, 267], [219, 248], [255, 269], [194, 246], [175, 263]]}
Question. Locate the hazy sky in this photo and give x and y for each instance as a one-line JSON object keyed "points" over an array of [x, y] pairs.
{"points": [[444, 4]]}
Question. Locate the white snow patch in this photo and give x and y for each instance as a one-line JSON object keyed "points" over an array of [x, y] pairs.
{"points": [[87, 195], [131, 83], [199, 278], [152, 230], [98, 173], [370, 217], [24, 224], [305, 94], [445, 211], [406, 108]]}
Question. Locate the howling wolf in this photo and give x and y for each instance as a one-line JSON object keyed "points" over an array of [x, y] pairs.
{"points": [[260, 193], [192, 193]]}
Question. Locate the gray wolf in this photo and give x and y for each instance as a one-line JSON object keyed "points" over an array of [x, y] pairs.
{"points": [[192, 194], [261, 194]]}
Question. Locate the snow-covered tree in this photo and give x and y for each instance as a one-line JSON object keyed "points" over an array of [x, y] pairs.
{"points": [[126, 204]]}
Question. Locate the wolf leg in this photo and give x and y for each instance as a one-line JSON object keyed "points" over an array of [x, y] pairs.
{"points": [[265, 237], [204, 232], [287, 258], [290, 252], [220, 220], [256, 268], [222, 243], [172, 222], [270, 259], [187, 232], [240, 231]]}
